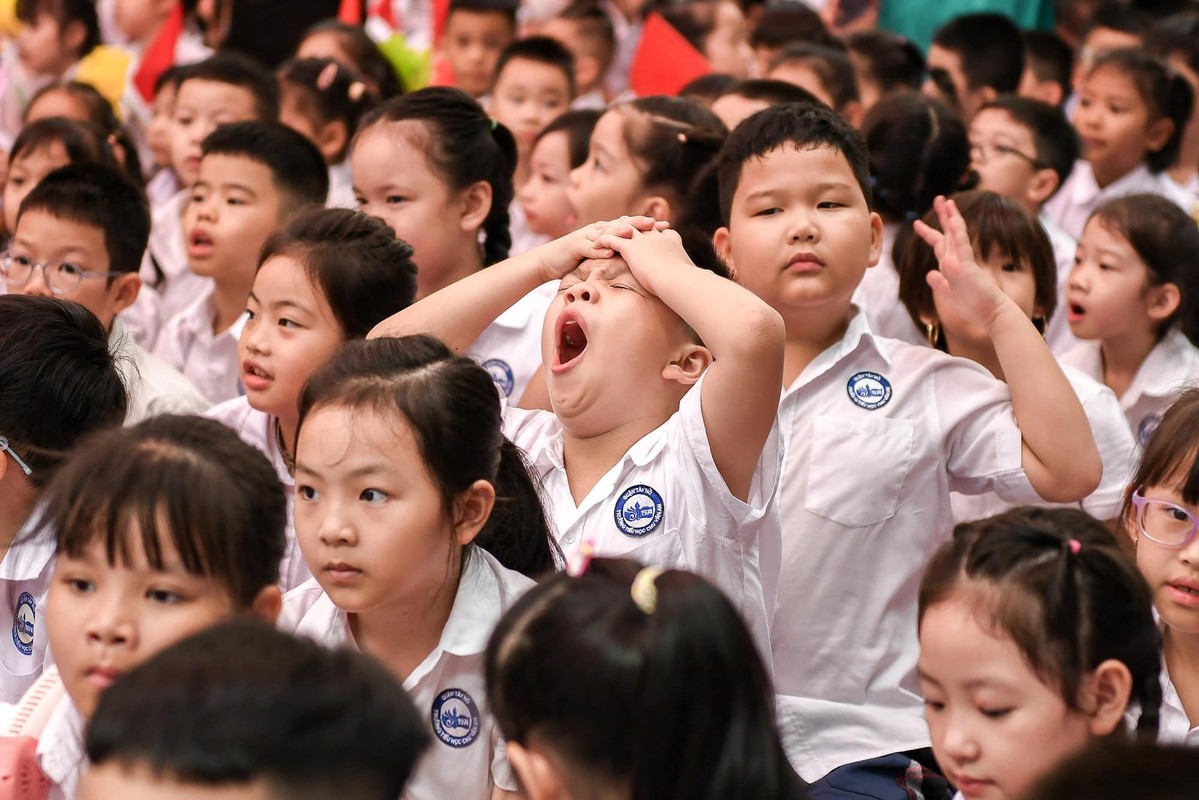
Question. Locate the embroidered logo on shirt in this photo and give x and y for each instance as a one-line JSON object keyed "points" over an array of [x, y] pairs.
{"points": [[455, 718], [1147, 427], [23, 623], [501, 374], [869, 390], [639, 510]]}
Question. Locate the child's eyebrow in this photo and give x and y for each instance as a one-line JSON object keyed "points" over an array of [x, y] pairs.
{"points": [[241, 187]]}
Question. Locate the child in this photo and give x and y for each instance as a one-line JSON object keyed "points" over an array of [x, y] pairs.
{"points": [[400, 465], [916, 424], [918, 150], [226, 88], [620, 716], [254, 175], [58, 383], [560, 148], [350, 46], [1036, 635], [1175, 40], [1159, 518], [717, 29], [476, 32], [885, 64], [141, 563], [1048, 64], [1130, 117], [80, 236], [780, 25], [826, 72], [1132, 300], [1014, 248], [1111, 26], [324, 100], [586, 30], [748, 97], [676, 462], [82, 102], [244, 708], [327, 276], [973, 58], [1024, 150], [164, 184]]}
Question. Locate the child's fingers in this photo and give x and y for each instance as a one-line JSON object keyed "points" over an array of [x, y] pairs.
{"points": [[929, 234], [936, 281]]}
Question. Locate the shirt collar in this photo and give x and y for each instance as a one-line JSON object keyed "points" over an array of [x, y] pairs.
{"points": [[476, 608], [857, 335], [32, 550]]}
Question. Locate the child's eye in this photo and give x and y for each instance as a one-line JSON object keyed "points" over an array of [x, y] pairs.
{"points": [[79, 585], [1009, 266], [768, 212], [287, 323], [623, 286], [1105, 266], [250, 314], [184, 120], [829, 204], [392, 199], [306, 493], [995, 713], [373, 496], [16, 181], [235, 201], [596, 163], [67, 268], [164, 596], [934, 705], [359, 201]]}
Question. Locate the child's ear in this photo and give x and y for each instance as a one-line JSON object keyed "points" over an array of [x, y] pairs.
{"points": [[332, 139], [537, 774], [657, 207], [475, 205], [688, 364], [1109, 687], [1163, 301], [472, 508], [1044, 183], [1158, 133], [124, 291], [852, 112], [267, 604], [74, 35], [722, 240], [876, 237]]}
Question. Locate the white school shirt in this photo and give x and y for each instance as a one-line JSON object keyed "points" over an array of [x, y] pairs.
{"points": [[878, 433], [60, 750], [1080, 195], [341, 186], [448, 687], [257, 428], [209, 361], [1171, 366], [523, 239], [510, 348], [178, 286], [666, 504], [25, 574], [154, 386], [1174, 726], [163, 187], [1117, 451], [1058, 335], [878, 296]]}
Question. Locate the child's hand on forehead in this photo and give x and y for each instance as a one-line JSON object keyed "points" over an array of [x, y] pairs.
{"points": [[647, 253], [562, 256], [960, 281]]}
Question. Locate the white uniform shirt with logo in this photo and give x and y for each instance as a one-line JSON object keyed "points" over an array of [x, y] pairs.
{"points": [[1117, 450], [1174, 726], [209, 361], [60, 750], [510, 348], [1171, 366], [155, 387], [879, 432], [878, 296], [257, 428], [467, 756], [25, 574], [1058, 334], [178, 286], [1072, 205], [665, 503]]}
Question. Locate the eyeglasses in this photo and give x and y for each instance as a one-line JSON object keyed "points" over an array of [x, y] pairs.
{"points": [[985, 152], [61, 278], [8, 449], [1165, 523]]}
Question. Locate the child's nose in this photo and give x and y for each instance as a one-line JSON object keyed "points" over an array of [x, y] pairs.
{"points": [[109, 624]]}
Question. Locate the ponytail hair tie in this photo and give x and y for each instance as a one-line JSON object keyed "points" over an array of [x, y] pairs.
{"points": [[326, 77], [644, 591], [1075, 546], [355, 91]]}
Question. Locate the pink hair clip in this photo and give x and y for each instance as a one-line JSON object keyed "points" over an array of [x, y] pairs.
{"points": [[1075, 546], [326, 77]]}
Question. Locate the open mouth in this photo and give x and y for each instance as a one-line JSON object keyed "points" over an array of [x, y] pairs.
{"points": [[572, 341], [201, 243]]}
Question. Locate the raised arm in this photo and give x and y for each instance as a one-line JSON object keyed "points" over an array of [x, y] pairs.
{"points": [[744, 335], [1059, 454]]}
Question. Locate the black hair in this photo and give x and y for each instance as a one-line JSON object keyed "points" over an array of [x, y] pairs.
{"points": [[1165, 94], [577, 124], [1115, 770], [171, 76], [990, 47], [240, 71], [1117, 16], [542, 50], [364, 272], [1176, 34], [772, 92], [891, 62], [593, 30], [830, 65], [326, 91], [694, 20], [100, 113], [783, 24], [1170, 456], [1166, 239], [507, 8], [296, 166], [186, 480], [242, 702], [1055, 581], [800, 125], [1050, 58], [369, 61], [707, 88], [82, 141], [918, 149], [450, 404], [463, 145], [1054, 139], [99, 196], [65, 12], [580, 667], [58, 380]]}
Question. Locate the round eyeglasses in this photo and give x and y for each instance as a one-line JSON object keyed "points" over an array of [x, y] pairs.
{"points": [[982, 152], [1167, 524], [60, 278]]}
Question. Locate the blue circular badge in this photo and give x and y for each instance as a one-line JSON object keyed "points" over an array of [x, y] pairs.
{"points": [[869, 390], [1147, 427], [455, 718], [23, 623], [501, 374], [639, 510]]}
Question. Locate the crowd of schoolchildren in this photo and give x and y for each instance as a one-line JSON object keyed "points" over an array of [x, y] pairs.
{"points": [[827, 427]]}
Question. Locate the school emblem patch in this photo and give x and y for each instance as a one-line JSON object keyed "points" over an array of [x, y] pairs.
{"points": [[869, 390], [455, 718], [639, 510], [24, 620], [501, 374]]}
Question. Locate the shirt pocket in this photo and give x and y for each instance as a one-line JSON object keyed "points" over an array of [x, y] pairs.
{"points": [[858, 468]]}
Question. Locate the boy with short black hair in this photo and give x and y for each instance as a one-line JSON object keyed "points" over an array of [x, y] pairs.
{"points": [[80, 235], [878, 433], [587, 32], [751, 96], [476, 32], [974, 58], [1048, 67], [242, 710], [824, 71], [252, 177]]}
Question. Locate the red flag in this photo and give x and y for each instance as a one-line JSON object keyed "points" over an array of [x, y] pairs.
{"points": [[441, 10], [350, 12], [665, 61], [160, 54]]}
